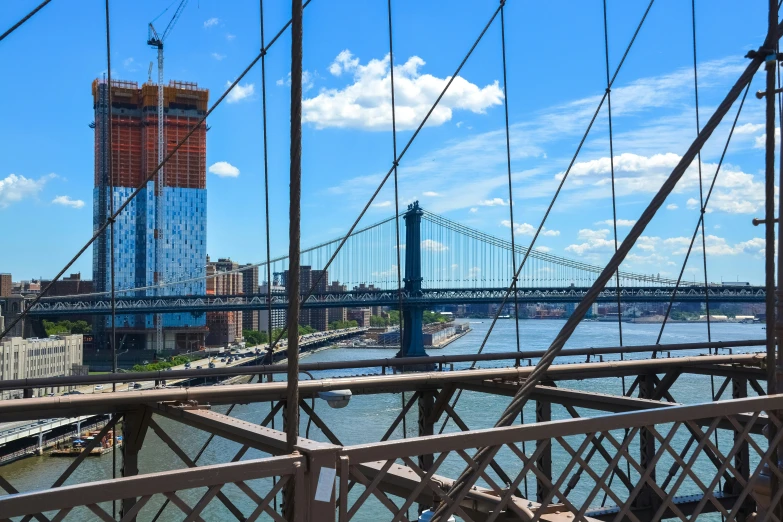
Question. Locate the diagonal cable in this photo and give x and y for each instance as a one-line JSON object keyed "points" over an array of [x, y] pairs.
{"points": [[29, 15], [149, 177]]}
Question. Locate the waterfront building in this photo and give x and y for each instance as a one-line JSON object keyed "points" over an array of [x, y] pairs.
{"points": [[360, 315], [336, 314], [35, 358], [160, 237]]}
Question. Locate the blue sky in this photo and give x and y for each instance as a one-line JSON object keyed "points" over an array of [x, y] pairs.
{"points": [[456, 167]]}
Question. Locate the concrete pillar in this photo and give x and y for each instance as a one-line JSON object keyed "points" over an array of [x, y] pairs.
{"points": [[39, 449], [412, 316]]}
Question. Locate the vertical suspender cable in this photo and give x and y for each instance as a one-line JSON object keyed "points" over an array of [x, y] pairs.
{"points": [[266, 190], [514, 278], [611, 166], [395, 164], [107, 168], [294, 232], [701, 189]]}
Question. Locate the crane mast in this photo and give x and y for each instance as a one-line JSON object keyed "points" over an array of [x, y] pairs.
{"points": [[160, 275]]}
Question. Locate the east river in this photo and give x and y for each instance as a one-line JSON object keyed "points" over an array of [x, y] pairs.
{"points": [[366, 418]]}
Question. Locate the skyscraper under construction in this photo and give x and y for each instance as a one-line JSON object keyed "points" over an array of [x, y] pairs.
{"points": [[160, 237]]}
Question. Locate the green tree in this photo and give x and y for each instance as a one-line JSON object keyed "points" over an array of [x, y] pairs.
{"points": [[254, 337], [433, 317], [339, 325]]}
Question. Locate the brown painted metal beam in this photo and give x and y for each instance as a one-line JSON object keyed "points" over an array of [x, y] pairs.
{"points": [[75, 405]]}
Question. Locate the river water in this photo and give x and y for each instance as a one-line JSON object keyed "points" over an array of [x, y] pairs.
{"points": [[366, 418]]}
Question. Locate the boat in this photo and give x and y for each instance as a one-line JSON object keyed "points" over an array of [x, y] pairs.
{"points": [[77, 445]]}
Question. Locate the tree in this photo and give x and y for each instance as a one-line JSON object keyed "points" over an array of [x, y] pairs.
{"points": [[433, 317], [254, 337], [66, 327], [339, 325]]}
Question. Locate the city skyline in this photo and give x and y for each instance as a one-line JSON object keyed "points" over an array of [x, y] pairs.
{"points": [[457, 166]]}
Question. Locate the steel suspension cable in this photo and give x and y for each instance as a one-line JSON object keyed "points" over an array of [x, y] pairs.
{"points": [[701, 189], [266, 187], [554, 199], [700, 221], [514, 279], [396, 188], [611, 168], [18, 24], [144, 182], [108, 168]]}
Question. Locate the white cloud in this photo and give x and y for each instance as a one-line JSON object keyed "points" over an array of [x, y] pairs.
{"points": [[473, 210], [211, 22], [224, 169], [494, 202], [735, 192], [130, 64], [526, 229], [66, 201], [433, 246], [430, 194], [761, 141], [382, 204], [716, 246], [240, 92], [218, 56], [748, 128], [366, 103], [594, 241], [345, 61], [15, 188], [620, 222], [544, 249], [308, 80], [671, 206], [474, 272], [230, 37]]}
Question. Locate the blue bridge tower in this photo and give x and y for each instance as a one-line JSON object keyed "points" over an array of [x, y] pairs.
{"points": [[412, 314]]}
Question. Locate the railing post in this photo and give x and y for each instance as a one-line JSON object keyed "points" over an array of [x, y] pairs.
{"points": [[134, 428], [315, 493], [426, 427], [739, 390], [647, 497], [544, 462]]}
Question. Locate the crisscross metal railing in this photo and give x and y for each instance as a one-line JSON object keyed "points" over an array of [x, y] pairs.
{"points": [[680, 440], [191, 492]]}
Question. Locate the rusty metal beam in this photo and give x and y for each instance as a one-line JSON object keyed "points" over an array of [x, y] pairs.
{"points": [[45, 382], [74, 405]]}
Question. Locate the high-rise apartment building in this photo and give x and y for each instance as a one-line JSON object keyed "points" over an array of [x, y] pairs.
{"points": [[278, 315], [224, 278], [250, 320], [315, 318], [336, 314], [179, 230], [5, 285]]}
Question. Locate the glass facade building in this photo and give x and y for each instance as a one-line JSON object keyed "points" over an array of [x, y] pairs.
{"points": [[138, 269]]}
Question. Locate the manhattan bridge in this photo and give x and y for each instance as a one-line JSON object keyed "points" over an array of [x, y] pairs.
{"points": [[680, 430]]}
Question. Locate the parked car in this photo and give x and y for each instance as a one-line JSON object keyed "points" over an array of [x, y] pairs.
{"points": [[198, 367], [137, 385], [99, 386], [187, 365], [211, 365], [222, 359]]}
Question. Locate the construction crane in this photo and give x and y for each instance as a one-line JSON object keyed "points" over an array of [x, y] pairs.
{"points": [[156, 40]]}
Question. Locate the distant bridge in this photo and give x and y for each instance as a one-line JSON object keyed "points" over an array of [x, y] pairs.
{"points": [[362, 298]]}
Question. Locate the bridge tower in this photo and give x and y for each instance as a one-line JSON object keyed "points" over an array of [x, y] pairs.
{"points": [[413, 314]]}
